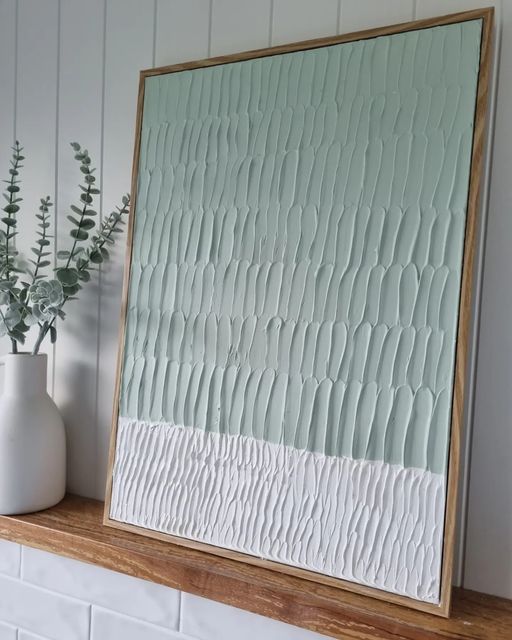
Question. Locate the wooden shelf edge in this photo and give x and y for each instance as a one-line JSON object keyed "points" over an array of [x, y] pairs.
{"points": [[74, 529]]}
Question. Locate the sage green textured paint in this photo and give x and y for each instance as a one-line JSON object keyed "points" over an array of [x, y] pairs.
{"points": [[298, 244]]}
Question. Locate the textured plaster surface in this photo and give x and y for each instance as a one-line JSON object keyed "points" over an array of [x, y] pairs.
{"points": [[295, 280]]}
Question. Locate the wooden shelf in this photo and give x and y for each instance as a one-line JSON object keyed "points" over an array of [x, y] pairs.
{"points": [[74, 529]]}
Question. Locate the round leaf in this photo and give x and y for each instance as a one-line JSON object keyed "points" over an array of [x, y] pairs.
{"points": [[96, 257], [85, 276], [67, 277], [79, 234], [87, 224]]}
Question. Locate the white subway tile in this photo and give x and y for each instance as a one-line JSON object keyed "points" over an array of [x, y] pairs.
{"points": [[107, 625], [7, 632], [9, 558], [37, 610], [137, 598], [209, 620]]}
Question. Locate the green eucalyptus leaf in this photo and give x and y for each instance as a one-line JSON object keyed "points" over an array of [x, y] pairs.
{"points": [[96, 257], [76, 209], [67, 277], [63, 255], [87, 224], [10, 222], [84, 275], [71, 290], [11, 208], [12, 316], [79, 234], [17, 335], [31, 319], [73, 220]]}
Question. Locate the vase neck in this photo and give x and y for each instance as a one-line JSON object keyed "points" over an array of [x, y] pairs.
{"points": [[25, 374]]}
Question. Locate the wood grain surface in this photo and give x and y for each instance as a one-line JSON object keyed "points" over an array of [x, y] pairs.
{"points": [[74, 529]]}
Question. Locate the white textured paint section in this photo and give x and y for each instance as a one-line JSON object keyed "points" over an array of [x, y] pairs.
{"points": [[359, 520]]}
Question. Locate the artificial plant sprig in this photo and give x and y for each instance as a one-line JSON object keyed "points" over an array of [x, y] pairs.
{"points": [[43, 242], [38, 299], [8, 253]]}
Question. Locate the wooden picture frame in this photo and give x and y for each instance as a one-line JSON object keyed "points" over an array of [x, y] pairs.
{"points": [[329, 587]]}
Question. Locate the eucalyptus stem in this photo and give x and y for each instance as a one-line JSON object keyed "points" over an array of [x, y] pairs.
{"points": [[14, 344], [43, 241], [87, 199], [11, 209], [40, 337]]}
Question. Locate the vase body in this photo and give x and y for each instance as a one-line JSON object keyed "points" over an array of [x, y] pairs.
{"points": [[32, 438]]}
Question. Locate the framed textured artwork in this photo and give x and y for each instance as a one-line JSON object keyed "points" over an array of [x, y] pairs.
{"points": [[297, 305]]}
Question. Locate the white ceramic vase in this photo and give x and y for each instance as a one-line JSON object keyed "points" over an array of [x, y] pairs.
{"points": [[32, 438]]}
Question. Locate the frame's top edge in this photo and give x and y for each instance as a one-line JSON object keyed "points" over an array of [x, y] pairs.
{"points": [[485, 13]]}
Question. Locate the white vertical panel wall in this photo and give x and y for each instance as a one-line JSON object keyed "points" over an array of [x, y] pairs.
{"points": [[69, 70]]}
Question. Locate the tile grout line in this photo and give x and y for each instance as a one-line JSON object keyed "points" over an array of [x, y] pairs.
{"points": [[20, 559], [180, 611]]}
